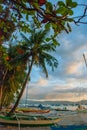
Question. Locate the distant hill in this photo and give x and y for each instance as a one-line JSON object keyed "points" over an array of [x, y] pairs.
{"points": [[54, 102]]}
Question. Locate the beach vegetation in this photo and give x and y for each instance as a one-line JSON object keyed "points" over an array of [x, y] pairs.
{"points": [[23, 45]]}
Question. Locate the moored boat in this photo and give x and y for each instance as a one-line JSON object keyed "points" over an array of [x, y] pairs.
{"points": [[28, 121], [26, 110]]}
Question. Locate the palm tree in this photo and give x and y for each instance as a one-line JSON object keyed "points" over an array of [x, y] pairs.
{"points": [[11, 80], [40, 50]]}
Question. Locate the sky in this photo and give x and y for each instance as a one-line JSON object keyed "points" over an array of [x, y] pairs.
{"points": [[69, 81]]}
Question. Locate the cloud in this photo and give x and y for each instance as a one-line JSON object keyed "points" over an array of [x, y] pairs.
{"points": [[69, 80], [66, 97], [73, 68], [42, 82]]}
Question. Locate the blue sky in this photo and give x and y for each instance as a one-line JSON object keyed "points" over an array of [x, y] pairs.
{"points": [[69, 80]]}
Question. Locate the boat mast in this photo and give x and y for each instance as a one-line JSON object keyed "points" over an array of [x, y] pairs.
{"points": [[79, 106], [26, 102], [84, 59]]}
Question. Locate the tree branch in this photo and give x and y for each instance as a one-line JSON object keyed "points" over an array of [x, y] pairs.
{"points": [[82, 16], [22, 6]]}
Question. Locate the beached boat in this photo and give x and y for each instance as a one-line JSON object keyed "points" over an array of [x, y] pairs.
{"points": [[29, 110], [26, 110], [28, 121]]}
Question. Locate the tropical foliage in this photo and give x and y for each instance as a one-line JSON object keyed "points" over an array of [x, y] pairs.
{"points": [[16, 14], [12, 80], [17, 56], [38, 54]]}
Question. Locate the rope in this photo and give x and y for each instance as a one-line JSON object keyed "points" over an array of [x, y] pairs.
{"points": [[18, 121]]}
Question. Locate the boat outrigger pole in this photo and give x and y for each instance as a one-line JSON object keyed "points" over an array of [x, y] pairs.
{"points": [[85, 59]]}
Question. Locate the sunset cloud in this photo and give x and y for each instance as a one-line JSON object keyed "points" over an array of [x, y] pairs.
{"points": [[73, 68]]}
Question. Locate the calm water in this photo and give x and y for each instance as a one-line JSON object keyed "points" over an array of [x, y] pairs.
{"points": [[69, 127]]}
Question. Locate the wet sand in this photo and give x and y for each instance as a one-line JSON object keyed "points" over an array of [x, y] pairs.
{"points": [[26, 128], [74, 119]]}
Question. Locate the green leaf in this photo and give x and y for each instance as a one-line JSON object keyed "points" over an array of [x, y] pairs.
{"points": [[55, 43], [47, 26], [48, 39], [68, 2], [1, 24], [74, 4], [26, 16], [1, 8], [31, 12], [1, 1], [35, 4], [54, 26], [70, 12], [61, 3], [71, 4], [2, 38], [37, 23], [62, 10], [49, 7], [5, 29], [69, 27], [14, 19]]}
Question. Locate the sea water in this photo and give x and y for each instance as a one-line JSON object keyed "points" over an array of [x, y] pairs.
{"points": [[73, 127]]}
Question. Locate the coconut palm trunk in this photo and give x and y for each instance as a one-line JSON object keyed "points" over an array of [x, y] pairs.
{"points": [[1, 87], [0, 97], [22, 90]]}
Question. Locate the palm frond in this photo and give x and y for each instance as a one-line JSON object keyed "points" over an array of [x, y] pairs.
{"points": [[50, 60], [43, 66], [25, 38], [27, 41], [48, 47]]}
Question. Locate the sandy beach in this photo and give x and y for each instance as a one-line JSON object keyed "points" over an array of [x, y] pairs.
{"points": [[75, 119], [27, 128], [67, 118]]}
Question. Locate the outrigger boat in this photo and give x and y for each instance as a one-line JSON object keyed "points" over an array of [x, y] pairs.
{"points": [[28, 120], [27, 110]]}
